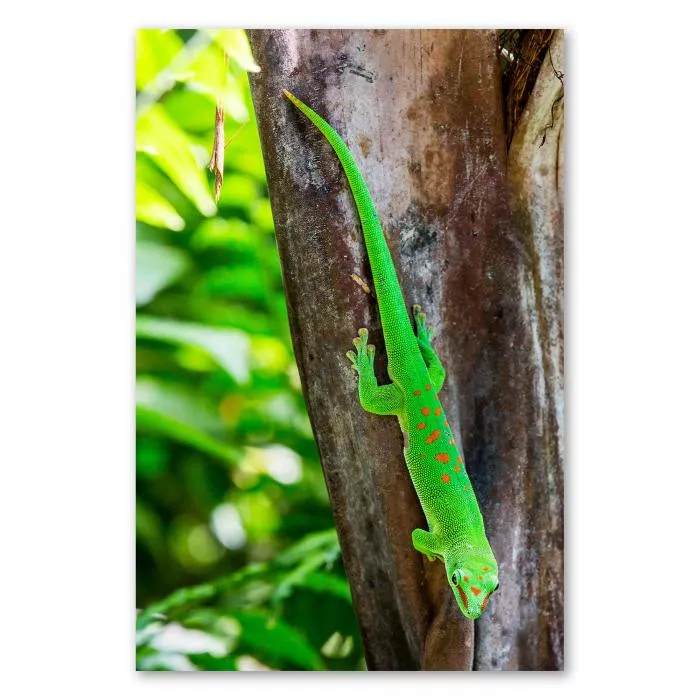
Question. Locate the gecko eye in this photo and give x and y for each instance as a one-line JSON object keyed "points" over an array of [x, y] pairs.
{"points": [[455, 578]]}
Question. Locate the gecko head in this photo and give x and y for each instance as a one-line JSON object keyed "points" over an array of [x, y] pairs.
{"points": [[473, 580]]}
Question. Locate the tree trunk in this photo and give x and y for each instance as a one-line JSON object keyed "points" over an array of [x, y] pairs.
{"points": [[525, 506], [422, 112]]}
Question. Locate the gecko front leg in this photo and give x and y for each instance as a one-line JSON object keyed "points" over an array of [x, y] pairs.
{"points": [[432, 361], [427, 543], [385, 400]]}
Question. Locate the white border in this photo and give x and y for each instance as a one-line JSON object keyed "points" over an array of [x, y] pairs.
{"points": [[67, 366]]}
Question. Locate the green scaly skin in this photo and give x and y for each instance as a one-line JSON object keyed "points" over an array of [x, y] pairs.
{"points": [[456, 528]]}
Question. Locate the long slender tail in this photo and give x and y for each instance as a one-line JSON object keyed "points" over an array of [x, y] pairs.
{"points": [[398, 333]]}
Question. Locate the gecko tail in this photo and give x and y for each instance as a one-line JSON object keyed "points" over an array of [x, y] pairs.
{"points": [[303, 108], [391, 304], [368, 216]]}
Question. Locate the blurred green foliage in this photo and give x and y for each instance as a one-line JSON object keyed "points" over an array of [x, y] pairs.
{"points": [[237, 561]]}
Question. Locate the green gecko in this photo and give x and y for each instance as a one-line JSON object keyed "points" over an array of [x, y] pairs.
{"points": [[456, 532]]}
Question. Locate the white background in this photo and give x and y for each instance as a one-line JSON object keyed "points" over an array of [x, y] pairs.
{"points": [[66, 348]]}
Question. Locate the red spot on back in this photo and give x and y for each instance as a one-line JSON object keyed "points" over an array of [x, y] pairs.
{"points": [[438, 411], [475, 590], [425, 411], [433, 436], [459, 459], [486, 568], [481, 578], [442, 457], [416, 392], [466, 578], [445, 478], [457, 468], [427, 387], [452, 441], [420, 426], [447, 425]]}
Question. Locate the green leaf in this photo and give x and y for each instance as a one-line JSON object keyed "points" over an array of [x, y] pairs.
{"points": [[230, 348], [151, 458], [168, 145], [261, 214], [155, 50], [232, 234], [207, 662], [193, 111], [210, 75], [148, 173], [326, 540], [235, 43], [297, 576], [238, 191], [171, 411], [244, 154], [156, 210], [157, 266], [197, 594], [148, 525], [247, 283], [269, 355], [323, 582], [276, 642]]}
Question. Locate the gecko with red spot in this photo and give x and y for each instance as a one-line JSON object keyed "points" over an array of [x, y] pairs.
{"points": [[456, 533]]}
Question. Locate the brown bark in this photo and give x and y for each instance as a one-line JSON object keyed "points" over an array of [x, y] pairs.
{"points": [[421, 111], [529, 535]]}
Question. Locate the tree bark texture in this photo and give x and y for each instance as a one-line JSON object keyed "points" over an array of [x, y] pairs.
{"points": [[422, 112]]}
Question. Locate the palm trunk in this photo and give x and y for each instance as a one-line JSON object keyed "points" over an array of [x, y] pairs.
{"points": [[423, 110]]}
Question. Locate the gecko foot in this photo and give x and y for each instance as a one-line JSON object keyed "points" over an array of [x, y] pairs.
{"points": [[427, 544], [386, 400], [363, 359], [424, 335]]}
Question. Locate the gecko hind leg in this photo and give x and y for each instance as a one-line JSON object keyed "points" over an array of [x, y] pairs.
{"points": [[432, 361], [385, 400], [426, 543]]}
